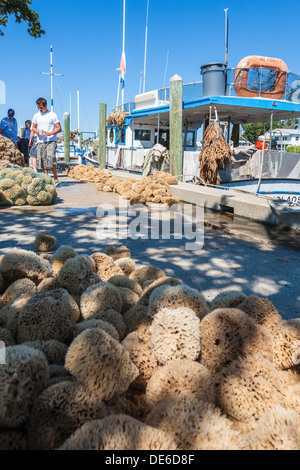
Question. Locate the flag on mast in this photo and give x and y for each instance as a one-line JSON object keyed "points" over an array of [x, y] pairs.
{"points": [[123, 63]]}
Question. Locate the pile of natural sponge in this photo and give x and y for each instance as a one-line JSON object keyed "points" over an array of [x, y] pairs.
{"points": [[102, 354], [22, 186], [9, 152], [151, 189]]}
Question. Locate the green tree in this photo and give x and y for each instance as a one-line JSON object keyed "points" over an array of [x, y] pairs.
{"points": [[22, 12], [254, 129]]}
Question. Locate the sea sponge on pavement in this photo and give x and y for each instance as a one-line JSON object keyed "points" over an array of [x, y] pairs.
{"points": [[153, 284], [58, 411], [50, 283], [10, 313], [136, 316], [227, 333], [55, 351], [105, 266], [77, 275], [227, 299], [98, 298], [48, 315], [180, 377], [262, 311], [147, 272], [194, 425], [22, 378], [6, 337], [124, 281], [100, 363], [142, 356], [17, 289], [117, 252], [129, 298], [276, 430], [286, 345], [118, 432], [104, 325], [44, 241], [61, 255], [175, 334], [126, 264], [248, 388], [19, 264], [181, 295]]}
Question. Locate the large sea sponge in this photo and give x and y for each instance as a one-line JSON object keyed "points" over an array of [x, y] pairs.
{"points": [[126, 264], [248, 388], [286, 345], [180, 377], [17, 289], [175, 334], [76, 275], [147, 272], [19, 264], [58, 411], [105, 266], [117, 252], [22, 378], [104, 325], [136, 316], [99, 298], [124, 281], [262, 311], [172, 297], [193, 424], [61, 255], [150, 285], [228, 333], [118, 432], [100, 363], [44, 241], [142, 356], [48, 315], [55, 351], [227, 299], [279, 429]]}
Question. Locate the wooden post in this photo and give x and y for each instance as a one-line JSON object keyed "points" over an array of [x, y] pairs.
{"points": [[67, 137], [176, 125], [102, 134]]}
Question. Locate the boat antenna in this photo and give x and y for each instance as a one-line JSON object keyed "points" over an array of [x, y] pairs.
{"points": [[123, 66], [226, 36], [166, 69], [146, 38], [141, 78], [51, 75]]}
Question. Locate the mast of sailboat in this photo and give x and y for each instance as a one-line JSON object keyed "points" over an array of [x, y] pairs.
{"points": [[52, 74], [226, 36], [123, 52], [78, 120], [146, 39]]}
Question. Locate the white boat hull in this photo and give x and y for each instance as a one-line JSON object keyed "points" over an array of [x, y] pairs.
{"points": [[288, 190]]}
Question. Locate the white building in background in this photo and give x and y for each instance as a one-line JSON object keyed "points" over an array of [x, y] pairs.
{"points": [[284, 137]]}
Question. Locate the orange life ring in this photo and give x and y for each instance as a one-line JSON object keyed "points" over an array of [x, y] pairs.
{"points": [[258, 62]]}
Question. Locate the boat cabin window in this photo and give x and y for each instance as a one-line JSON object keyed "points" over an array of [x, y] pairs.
{"points": [[111, 136], [190, 139], [120, 136], [163, 138], [142, 134]]}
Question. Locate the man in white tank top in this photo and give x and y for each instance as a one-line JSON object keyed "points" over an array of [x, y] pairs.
{"points": [[46, 126]]}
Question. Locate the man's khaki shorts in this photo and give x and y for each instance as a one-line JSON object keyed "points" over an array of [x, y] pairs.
{"points": [[46, 155]]}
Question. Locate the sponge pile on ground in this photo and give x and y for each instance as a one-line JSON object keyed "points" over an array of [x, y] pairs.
{"points": [[102, 358], [10, 153], [22, 186], [151, 189]]}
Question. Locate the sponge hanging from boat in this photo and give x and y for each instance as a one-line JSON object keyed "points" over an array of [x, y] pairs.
{"points": [[215, 155]]}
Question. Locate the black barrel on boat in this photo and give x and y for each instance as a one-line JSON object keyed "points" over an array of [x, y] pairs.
{"points": [[213, 79]]}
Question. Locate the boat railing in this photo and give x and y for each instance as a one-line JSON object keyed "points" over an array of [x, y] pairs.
{"points": [[275, 165], [263, 83]]}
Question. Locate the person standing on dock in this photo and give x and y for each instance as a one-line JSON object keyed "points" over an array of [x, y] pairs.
{"points": [[9, 126], [46, 126]]}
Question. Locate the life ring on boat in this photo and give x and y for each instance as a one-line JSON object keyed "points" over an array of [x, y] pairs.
{"points": [[276, 89]]}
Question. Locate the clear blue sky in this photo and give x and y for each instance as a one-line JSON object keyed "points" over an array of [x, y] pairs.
{"points": [[87, 45]]}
